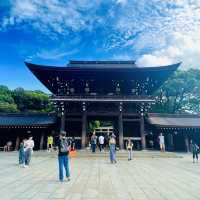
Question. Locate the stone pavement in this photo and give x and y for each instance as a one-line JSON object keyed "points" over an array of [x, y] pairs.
{"points": [[95, 178]]}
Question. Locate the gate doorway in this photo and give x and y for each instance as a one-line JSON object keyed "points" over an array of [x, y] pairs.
{"points": [[104, 126]]}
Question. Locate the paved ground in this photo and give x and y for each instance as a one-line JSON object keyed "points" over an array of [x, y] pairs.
{"points": [[96, 178]]}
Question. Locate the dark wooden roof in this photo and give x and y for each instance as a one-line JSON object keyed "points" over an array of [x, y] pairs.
{"points": [[26, 120], [174, 121], [102, 77], [101, 64]]}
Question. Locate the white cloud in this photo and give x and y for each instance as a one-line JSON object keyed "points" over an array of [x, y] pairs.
{"points": [[185, 48], [148, 60], [167, 30], [122, 57], [53, 16], [54, 54], [123, 2], [163, 31]]}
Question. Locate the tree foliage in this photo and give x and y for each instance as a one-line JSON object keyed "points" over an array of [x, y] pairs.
{"points": [[180, 94], [93, 125], [20, 100]]}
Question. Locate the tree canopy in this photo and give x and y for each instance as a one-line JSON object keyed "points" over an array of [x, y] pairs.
{"points": [[20, 100], [180, 94]]}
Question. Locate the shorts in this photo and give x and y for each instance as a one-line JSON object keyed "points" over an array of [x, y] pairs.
{"points": [[162, 146]]}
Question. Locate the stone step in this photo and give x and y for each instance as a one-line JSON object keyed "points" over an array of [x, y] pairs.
{"points": [[124, 154], [120, 154]]}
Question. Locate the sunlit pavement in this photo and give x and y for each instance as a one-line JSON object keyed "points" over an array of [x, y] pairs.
{"points": [[95, 178]]}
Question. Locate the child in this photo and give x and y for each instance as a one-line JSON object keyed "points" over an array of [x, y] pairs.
{"points": [[21, 153]]}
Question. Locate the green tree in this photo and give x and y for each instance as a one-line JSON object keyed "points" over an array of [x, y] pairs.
{"points": [[7, 103], [20, 100], [93, 125], [9, 108], [180, 94]]}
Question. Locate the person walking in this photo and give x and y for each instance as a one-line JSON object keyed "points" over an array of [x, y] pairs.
{"points": [[29, 145], [195, 151], [112, 147], [93, 142], [63, 156], [129, 147], [22, 153], [101, 142]]}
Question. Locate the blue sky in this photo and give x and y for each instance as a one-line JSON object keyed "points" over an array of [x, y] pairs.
{"points": [[51, 32]]}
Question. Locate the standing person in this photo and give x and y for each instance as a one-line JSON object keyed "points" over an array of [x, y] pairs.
{"points": [[195, 151], [22, 153], [93, 142], [73, 145], [50, 143], [162, 142], [101, 142], [29, 145], [129, 147], [63, 156], [112, 146]]}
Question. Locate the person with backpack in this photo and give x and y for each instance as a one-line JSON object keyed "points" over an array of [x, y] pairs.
{"points": [[63, 156]]}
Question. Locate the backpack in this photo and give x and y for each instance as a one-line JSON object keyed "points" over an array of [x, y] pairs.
{"points": [[64, 148]]}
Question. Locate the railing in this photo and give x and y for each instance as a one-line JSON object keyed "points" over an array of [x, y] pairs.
{"points": [[104, 98]]}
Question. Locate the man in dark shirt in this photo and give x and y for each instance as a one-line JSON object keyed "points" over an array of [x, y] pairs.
{"points": [[63, 156]]}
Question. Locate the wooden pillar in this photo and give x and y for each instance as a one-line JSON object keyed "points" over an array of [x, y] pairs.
{"points": [[17, 143], [84, 125], [62, 124], [120, 127], [186, 143], [143, 139], [171, 141], [84, 129], [42, 141]]}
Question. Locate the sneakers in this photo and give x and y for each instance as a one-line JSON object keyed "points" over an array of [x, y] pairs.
{"points": [[68, 179]]}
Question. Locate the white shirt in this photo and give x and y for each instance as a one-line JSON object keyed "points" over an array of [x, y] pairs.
{"points": [[101, 139], [29, 144], [161, 139]]}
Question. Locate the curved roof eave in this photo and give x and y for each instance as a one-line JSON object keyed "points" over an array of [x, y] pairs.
{"points": [[37, 67]]}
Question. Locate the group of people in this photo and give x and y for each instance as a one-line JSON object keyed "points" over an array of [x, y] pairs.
{"points": [[194, 148], [101, 141], [25, 151], [65, 145], [50, 143], [111, 144]]}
